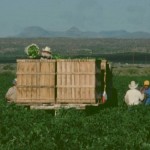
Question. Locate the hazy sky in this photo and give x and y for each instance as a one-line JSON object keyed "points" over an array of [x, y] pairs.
{"points": [[87, 15]]}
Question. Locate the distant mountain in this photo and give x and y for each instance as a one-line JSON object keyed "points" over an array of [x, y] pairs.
{"points": [[35, 31], [111, 34], [73, 31]]}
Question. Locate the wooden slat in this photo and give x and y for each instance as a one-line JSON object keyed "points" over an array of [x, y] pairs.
{"points": [[35, 81], [76, 81]]}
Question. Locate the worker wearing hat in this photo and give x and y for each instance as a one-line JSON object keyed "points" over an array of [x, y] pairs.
{"points": [[46, 53], [133, 96], [11, 93], [146, 91]]}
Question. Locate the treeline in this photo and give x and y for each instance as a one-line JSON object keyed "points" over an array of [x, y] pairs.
{"points": [[143, 58]]}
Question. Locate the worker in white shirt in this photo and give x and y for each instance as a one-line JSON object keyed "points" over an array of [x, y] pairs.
{"points": [[11, 93], [133, 96]]}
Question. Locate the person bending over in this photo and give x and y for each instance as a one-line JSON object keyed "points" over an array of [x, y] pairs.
{"points": [[11, 93]]}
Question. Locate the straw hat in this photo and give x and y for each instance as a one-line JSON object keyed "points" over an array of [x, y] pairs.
{"points": [[47, 49], [133, 85], [146, 82]]}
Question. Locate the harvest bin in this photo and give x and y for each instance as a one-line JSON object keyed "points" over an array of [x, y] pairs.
{"points": [[61, 81], [35, 81]]}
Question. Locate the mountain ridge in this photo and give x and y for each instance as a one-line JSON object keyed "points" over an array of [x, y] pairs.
{"points": [[74, 32]]}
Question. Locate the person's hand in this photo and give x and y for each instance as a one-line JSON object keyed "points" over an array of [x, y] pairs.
{"points": [[142, 90]]}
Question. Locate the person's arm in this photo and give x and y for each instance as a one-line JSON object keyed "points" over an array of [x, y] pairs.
{"points": [[142, 95], [142, 89]]}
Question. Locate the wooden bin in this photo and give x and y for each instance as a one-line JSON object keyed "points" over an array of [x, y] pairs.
{"points": [[69, 81], [76, 81], [35, 81]]}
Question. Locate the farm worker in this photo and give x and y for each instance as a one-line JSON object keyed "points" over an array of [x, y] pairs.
{"points": [[146, 91], [133, 96], [46, 53], [11, 93]]}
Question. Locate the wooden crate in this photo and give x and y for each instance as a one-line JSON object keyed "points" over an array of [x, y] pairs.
{"points": [[61, 81], [35, 81], [76, 81]]}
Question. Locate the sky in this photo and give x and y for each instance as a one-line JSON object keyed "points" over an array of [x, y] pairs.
{"points": [[87, 15]]}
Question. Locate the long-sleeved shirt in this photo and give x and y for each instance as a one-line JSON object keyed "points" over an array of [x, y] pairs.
{"points": [[147, 96], [11, 94], [133, 97]]}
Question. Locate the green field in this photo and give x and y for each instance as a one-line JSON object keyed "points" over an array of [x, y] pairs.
{"points": [[107, 128]]}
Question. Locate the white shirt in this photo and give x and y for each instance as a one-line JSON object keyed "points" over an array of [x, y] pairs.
{"points": [[133, 97], [11, 94]]}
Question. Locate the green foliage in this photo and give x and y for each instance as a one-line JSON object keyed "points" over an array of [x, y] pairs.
{"points": [[32, 51], [109, 128], [57, 56]]}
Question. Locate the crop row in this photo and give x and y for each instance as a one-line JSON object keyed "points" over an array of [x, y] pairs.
{"points": [[109, 128]]}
